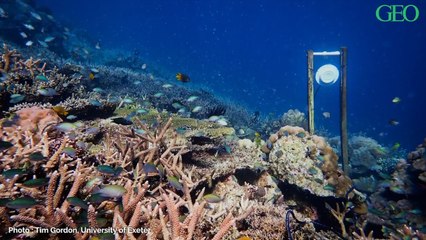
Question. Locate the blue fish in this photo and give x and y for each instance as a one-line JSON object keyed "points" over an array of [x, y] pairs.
{"points": [[16, 98], [95, 102], [47, 92], [41, 78]]}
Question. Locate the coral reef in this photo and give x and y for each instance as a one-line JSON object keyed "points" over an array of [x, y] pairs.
{"points": [[306, 161], [97, 140], [294, 118], [398, 201]]}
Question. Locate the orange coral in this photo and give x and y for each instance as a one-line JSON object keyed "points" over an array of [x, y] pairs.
{"points": [[35, 119]]}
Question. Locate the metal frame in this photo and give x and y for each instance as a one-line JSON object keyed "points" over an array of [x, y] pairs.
{"points": [[343, 99]]}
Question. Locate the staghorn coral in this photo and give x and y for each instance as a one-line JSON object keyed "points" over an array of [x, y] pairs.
{"points": [[30, 78]]}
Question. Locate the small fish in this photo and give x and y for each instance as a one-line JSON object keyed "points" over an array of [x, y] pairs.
{"points": [[393, 122], [127, 100], [94, 70], [94, 181], [396, 146], [212, 198], [11, 173], [3, 13], [66, 127], [47, 92], [192, 98], [98, 90], [174, 182], [49, 39], [102, 222], [197, 109], [23, 35], [97, 198], [181, 130], [71, 117], [36, 16], [397, 189], [3, 76], [159, 94], [326, 114], [34, 183], [137, 82], [36, 156], [141, 111], [70, 151], [416, 211], [91, 76], [329, 187], [144, 66], [105, 169], [161, 171], [29, 26], [182, 110], [61, 111], [177, 105], [396, 100], [98, 46], [43, 44], [167, 85], [140, 131], [82, 145], [95, 102], [182, 77], [75, 201], [112, 191], [113, 100], [23, 202], [213, 118], [92, 130], [41, 78], [227, 148], [5, 145], [29, 43], [122, 121], [150, 168], [312, 171], [16, 98]]}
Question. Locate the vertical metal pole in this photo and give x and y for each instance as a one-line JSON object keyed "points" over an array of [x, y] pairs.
{"points": [[311, 91], [343, 110]]}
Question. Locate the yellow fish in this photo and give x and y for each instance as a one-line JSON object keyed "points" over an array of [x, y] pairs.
{"points": [[182, 77], [396, 146], [60, 110], [396, 100], [91, 76], [244, 238]]}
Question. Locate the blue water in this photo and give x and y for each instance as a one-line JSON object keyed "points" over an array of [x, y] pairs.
{"points": [[253, 52]]}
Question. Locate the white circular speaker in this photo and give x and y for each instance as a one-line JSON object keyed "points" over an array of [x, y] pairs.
{"points": [[327, 74]]}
